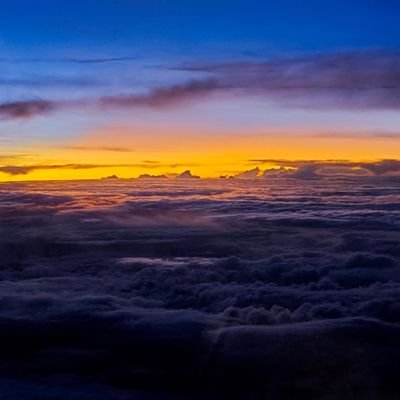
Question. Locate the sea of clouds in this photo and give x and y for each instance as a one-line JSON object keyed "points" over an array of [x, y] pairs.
{"points": [[251, 289]]}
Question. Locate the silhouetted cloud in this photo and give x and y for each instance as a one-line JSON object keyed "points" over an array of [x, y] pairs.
{"points": [[148, 176]]}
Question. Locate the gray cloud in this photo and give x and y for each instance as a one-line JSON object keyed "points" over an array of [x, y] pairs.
{"points": [[353, 79], [163, 97], [26, 109]]}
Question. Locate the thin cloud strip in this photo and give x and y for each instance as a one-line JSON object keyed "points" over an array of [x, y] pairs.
{"points": [[26, 169]]}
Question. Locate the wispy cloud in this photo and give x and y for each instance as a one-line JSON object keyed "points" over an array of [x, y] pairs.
{"points": [[101, 148], [26, 169], [163, 97], [362, 80], [157, 98], [73, 60], [344, 80], [27, 109]]}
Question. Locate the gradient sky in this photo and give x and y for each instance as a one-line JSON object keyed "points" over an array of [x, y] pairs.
{"points": [[93, 88]]}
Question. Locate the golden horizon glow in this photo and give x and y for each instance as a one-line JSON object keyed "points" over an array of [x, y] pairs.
{"points": [[128, 152]]}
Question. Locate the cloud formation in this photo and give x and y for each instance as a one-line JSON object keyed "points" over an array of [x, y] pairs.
{"points": [[342, 80], [206, 288], [26, 109], [23, 170], [26, 169], [313, 169], [168, 96]]}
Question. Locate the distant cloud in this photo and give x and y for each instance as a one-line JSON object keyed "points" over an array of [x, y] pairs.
{"points": [[187, 175], [311, 169], [149, 176], [251, 174]]}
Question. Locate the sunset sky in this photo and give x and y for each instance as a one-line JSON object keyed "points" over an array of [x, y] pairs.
{"points": [[199, 199], [97, 88]]}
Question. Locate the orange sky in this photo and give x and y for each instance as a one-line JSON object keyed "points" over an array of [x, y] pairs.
{"points": [[134, 151]]}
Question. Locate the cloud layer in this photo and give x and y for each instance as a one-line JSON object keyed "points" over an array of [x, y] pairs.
{"points": [[174, 289]]}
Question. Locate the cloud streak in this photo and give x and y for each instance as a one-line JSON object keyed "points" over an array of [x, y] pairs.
{"points": [[356, 80], [26, 169], [101, 148], [158, 98], [100, 60], [27, 109]]}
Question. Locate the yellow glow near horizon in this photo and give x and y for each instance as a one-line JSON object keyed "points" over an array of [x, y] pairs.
{"points": [[128, 153]]}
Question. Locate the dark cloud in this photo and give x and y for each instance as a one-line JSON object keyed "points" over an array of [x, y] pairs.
{"points": [[187, 175], [26, 109]]}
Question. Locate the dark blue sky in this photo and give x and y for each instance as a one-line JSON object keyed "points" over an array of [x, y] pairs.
{"points": [[252, 27]]}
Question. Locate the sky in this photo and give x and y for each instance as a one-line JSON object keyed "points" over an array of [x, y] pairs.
{"points": [[95, 88]]}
